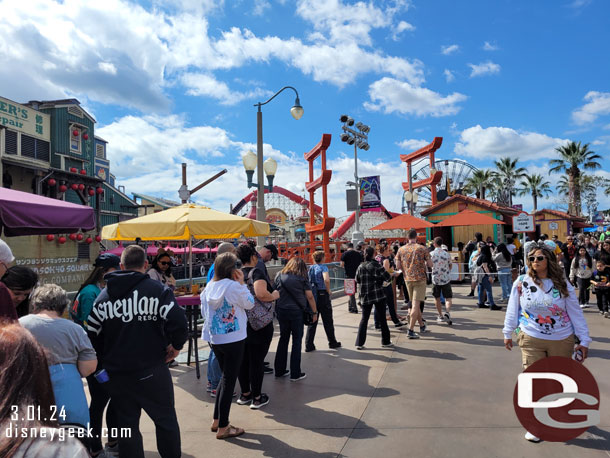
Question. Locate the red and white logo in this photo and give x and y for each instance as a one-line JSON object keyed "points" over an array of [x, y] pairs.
{"points": [[557, 399]]}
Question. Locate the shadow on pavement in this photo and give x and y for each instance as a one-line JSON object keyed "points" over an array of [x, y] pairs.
{"points": [[428, 354], [270, 446], [595, 439]]}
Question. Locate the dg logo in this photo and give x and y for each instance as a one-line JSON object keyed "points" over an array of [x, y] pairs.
{"points": [[557, 399]]}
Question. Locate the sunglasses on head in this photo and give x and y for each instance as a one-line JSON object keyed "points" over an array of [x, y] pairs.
{"points": [[536, 258]]}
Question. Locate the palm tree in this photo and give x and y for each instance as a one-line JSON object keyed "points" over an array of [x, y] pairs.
{"points": [[535, 186], [479, 182], [507, 174], [572, 157]]}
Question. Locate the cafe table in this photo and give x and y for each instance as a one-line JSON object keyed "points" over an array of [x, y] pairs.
{"points": [[192, 308]]}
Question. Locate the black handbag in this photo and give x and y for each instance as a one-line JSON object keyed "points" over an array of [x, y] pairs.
{"points": [[307, 312]]}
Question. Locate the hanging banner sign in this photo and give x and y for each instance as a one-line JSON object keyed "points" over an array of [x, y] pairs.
{"points": [[523, 223], [24, 119], [370, 192]]}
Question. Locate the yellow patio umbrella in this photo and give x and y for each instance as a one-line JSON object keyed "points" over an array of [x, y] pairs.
{"points": [[183, 223]]}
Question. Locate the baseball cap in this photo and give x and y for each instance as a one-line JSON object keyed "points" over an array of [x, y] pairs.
{"points": [[107, 261], [6, 255], [271, 247], [361, 244]]}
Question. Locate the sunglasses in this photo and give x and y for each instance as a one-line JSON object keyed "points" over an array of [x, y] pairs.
{"points": [[536, 258], [164, 263]]}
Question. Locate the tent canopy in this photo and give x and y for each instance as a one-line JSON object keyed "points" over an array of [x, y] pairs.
{"points": [[23, 213], [404, 222], [468, 218], [182, 223]]}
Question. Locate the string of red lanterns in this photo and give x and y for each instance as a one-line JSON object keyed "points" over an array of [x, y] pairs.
{"points": [[74, 237]]}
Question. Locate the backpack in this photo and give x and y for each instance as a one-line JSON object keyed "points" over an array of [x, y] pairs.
{"points": [[261, 314]]}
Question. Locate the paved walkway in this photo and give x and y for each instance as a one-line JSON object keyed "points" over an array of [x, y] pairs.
{"points": [[448, 394]]}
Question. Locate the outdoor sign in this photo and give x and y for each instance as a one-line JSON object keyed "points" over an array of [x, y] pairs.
{"points": [[370, 192], [102, 169], [276, 216], [349, 286], [68, 272], [518, 207], [553, 226], [523, 223], [25, 119]]}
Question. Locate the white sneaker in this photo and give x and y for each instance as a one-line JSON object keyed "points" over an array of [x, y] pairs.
{"points": [[388, 345], [440, 319], [584, 306], [530, 437], [360, 347], [448, 318]]}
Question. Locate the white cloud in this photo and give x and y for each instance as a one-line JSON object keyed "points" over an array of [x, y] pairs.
{"points": [[393, 96], [260, 6], [449, 76], [206, 85], [487, 46], [484, 68], [603, 140], [412, 144], [400, 28], [598, 104], [450, 49], [107, 67], [94, 49], [496, 142]]}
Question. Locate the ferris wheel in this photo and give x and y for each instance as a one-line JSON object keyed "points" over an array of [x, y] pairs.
{"points": [[455, 175]]}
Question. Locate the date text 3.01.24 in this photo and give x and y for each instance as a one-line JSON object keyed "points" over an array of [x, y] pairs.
{"points": [[35, 413]]}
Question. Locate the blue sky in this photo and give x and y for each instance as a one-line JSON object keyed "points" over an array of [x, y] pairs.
{"points": [[175, 81]]}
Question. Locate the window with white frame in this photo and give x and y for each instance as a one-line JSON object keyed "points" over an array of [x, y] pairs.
{"points": [[75, 140]]}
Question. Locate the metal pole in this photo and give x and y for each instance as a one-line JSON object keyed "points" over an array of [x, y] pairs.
{"points": [[260, 200], [357, 219], [184, 180], [410, 204]]}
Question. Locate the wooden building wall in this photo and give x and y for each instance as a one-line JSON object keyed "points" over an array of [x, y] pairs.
{"points": [[563, 227]]}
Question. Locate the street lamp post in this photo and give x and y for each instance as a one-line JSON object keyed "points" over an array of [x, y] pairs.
{"points": [[359, 138], [269, 167]]}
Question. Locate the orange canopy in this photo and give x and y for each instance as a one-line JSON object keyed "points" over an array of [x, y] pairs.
{"points": [[404, 222], [468, 218]]}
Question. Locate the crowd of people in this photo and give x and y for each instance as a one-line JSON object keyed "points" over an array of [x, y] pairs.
{"points": [[127, 326]]}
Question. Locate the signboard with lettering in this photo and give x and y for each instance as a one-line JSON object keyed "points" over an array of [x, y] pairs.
{"points": [[102, 168], [24, 119], [370, 192], [523, 223]]}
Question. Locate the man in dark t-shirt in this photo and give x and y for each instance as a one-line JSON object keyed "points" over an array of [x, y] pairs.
{"points": [[350, 260]]}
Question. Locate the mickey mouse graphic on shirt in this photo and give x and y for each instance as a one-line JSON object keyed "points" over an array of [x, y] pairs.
{"points": [[546, 324]]}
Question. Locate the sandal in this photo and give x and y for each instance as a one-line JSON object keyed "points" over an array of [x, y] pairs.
{"points": [[231, 431], [214, 429]]}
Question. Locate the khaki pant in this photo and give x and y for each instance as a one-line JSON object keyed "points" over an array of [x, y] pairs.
{"points": [[416, 290], [534, 349]]}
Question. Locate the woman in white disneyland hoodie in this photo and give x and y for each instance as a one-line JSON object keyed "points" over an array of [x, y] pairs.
{"points": [[223, 305], [543, 310]]}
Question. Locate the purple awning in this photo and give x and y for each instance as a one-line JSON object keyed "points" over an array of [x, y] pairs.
{"points": [[22, 213]]}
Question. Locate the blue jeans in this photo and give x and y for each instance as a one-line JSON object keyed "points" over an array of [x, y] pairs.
{"points": [[485, 285], [214, 372], [505, 277]]}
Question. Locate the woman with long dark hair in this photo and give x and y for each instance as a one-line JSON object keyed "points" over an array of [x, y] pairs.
{"points": [[504, 262], [20, 282], [370, 277], [543, 311], [82, 306], [161, 269], [581, 271], [224, 302], [295, 297], [385, 258], [25, 383], [485, 277]]}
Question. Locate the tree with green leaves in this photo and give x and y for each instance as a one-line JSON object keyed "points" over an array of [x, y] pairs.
{"points": [[480, 181], [507, 174], [535, 186], [572, 157]]}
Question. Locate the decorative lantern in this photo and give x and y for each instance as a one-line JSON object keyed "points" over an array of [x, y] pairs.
{"points": [[99, 190], [72, 237], [79, 237], [75, 133], [74, 186], [83, 172], [91, 192], [73, 169], [52, 182], [98, 238], [89, 240], [81, 187], [85, 137], [63, 188], [50, 237], [61, 239]]}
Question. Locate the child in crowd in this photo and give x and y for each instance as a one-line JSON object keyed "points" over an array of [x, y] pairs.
{"points": [[601, 282]]}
